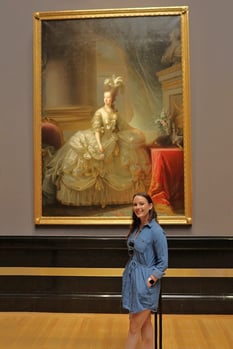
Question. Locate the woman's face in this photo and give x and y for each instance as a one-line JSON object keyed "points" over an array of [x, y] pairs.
{"points": [[108, 99], [141, 207]]}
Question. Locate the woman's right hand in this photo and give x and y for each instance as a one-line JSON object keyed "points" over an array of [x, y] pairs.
{"points": [[101, 148]]}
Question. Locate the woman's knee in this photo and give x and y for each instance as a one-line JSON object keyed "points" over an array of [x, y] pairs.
{"points": [[134, 327], [147, 322], [137, 321]]}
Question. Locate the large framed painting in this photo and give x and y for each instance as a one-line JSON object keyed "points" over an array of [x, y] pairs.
{"points": [[111, 114]]}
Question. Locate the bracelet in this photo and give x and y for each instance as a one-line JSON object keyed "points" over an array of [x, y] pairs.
{"points": [[151, 281]]}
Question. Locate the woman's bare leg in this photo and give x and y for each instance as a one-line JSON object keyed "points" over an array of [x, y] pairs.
{"points": [[147, 333], [136, 322]]}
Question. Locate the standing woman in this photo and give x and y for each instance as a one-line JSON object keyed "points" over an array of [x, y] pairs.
{"points": [[148, 251]]}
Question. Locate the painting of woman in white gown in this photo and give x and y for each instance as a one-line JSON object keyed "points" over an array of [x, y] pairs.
{"points": [[102, 165], [103, 79]]}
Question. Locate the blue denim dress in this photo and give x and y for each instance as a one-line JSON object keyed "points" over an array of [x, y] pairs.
{"points": [[150, 257]]}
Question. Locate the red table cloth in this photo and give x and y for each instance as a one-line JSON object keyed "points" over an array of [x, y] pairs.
{"points": [[167, 179]]}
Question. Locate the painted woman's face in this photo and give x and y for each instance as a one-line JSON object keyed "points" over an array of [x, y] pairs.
{"points": [[141, 207], [108, 99]]}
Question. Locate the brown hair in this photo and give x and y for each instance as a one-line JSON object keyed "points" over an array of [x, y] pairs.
{"points": [[152, 213]]}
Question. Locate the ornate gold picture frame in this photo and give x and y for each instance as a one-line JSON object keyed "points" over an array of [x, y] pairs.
{"points": [[111, 114]]}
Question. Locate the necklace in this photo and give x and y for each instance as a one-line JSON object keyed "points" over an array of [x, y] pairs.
{"points": [[139, 229], [137, 232]]}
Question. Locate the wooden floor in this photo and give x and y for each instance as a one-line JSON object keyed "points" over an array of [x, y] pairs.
{"points": [[108, 331]]}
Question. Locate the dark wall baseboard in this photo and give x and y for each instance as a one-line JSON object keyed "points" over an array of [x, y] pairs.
{"points": [[102, 294], [111, 304]]}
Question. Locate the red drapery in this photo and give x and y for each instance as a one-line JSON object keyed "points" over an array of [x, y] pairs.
{"points": [[167, 180]]}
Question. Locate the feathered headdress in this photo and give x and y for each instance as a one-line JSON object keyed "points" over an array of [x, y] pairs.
{"points": [[114, 84]]}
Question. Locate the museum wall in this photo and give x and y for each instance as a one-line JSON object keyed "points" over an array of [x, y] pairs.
{"points": [[211, 107], [52, 268]]}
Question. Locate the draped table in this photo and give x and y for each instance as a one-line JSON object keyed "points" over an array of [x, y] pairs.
{"points": [[167, 178]]}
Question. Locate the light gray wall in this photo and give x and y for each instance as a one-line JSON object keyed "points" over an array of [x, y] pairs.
{"points": [[211, 53]]}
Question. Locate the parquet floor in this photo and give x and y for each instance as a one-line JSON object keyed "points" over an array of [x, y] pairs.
{"points": [[108, 331]]}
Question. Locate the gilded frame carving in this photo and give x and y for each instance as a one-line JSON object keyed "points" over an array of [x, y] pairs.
{"points": [[106, 42]]}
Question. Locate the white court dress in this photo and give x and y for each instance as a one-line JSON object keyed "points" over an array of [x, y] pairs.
{"points": [[80, 175]]}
